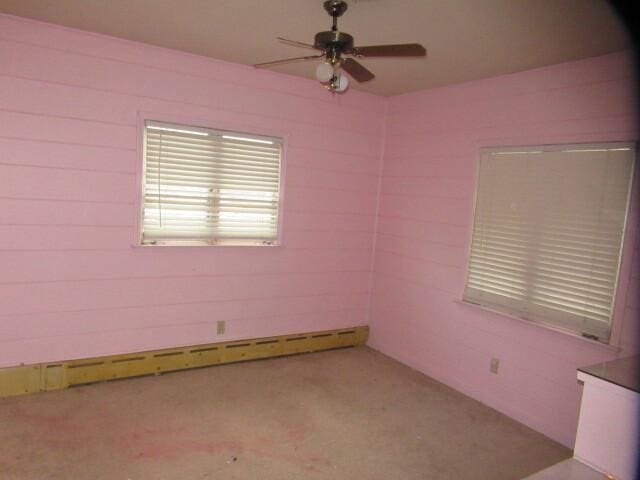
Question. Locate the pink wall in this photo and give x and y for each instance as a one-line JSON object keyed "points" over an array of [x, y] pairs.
{"points": [[424, 224], [71, 285]]}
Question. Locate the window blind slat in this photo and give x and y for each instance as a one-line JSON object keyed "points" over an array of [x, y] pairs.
{"points": [[200, 186], [547, 233]]}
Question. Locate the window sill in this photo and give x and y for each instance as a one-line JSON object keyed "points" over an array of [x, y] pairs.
{"points": [[595, 343]]}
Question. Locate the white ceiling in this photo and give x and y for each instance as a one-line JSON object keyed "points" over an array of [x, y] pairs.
{"points": [[465, 39]]}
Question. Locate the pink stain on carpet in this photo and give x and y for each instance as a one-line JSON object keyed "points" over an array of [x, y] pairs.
{"points": [[84, 427]]}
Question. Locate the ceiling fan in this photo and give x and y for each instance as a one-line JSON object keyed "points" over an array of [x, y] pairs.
{"points": [[335, 44]]}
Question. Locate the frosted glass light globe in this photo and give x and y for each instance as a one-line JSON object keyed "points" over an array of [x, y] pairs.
{"points": [[324, 72], [342, 83]]}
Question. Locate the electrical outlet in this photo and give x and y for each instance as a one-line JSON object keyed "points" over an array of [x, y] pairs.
{"points": [[495, 364], [220, 327]]}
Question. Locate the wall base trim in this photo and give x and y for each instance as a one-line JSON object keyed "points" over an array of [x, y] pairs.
{"points": [[27, 379]]}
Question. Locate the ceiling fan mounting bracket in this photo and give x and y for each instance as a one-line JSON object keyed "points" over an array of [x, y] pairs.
{"points": [[335, 8]]}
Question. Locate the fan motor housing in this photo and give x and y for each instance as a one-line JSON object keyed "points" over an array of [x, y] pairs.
{"points": [[337, 40]]}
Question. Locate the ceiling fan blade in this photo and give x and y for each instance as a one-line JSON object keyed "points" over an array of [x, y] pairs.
{"points": [[356, 70], [287, 60], [296, 44], [399, 50]]}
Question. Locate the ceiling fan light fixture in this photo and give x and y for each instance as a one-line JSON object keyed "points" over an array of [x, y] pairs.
{"points": [[324, 72], [334, 44], [339, 83]]}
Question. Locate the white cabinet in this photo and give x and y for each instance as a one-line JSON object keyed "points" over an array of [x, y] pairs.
{"points": [[608, 431], [608, 438]]}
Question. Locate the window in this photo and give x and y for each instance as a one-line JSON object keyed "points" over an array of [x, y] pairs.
{"points": [[549, 224], [209, 187]]}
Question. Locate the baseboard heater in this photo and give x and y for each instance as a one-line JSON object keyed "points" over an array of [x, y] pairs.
{"points": [[27, 379]]}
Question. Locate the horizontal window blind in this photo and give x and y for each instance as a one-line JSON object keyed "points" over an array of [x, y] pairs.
{"points": [[209, 186], [547, 235]]}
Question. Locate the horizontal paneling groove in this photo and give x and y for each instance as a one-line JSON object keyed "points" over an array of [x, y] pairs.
{"points": [[67, 156], [420, 238], [487, 97], [191, 277], [432, 157], [132, 110], [548, 353], [292, 163], [203, 62], [424, 285], [322, 230], [408, 138], [69, 250], [70, 117], [301, 120], [66, 142], [50, 128], [429, 125], [347, 162], [45, 199], [116, 293], [76, 169], [426, 196], [287, 208], [422, 220], [416, 257], [231, 318], [195, 302], [88, 226], [222, 78], [427, 177], [323, 149], [185, 304], [330, 189], [131, 246], [79, 225], [447, 339]]}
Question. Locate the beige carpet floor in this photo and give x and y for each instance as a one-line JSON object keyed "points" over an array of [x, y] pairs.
{"points": [[344, 414]]}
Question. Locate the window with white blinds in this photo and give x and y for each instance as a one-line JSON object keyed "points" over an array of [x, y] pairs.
{"points": [[547, 235], [204, 186]]}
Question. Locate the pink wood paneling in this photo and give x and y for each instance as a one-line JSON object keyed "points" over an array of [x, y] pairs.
{"points": [[84, 294], [425, 215], [123, 51], [67, 156], [74, 322], [71, 283], [60, 264], [73, 286], [55, 212]]}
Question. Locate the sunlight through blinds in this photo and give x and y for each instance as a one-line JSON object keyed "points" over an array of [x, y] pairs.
{"points": [[205, 186], [548, 230]]}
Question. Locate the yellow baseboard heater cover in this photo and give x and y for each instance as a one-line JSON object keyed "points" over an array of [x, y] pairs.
{"points": [[26, 379]]}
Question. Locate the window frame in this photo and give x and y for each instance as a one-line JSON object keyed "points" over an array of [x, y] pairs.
{"points": [[627, 241], [231, 127]]}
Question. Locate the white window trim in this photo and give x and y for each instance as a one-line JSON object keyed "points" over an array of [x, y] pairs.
{"points": [[628, 240], [171, 118]]}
